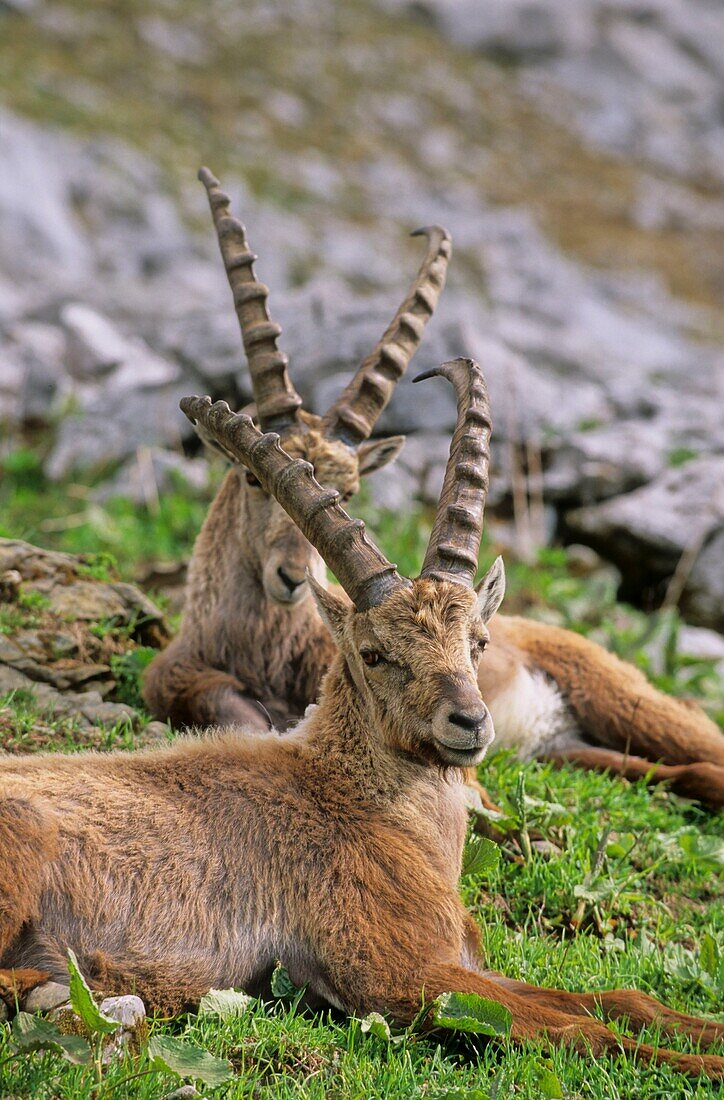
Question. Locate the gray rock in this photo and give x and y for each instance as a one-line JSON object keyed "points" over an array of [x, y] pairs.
{"points": [[703, 597], [128, 1010], [648, 531], [606, 461], [45, 997], [95, 347], [151, 473]]}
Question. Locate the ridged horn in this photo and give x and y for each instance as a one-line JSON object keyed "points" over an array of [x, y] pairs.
{"points": [[452, 553], [364, 572], [277, 401], [354, 414]]}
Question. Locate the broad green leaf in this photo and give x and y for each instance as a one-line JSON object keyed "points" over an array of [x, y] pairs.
{"points": [[549, 1085], [186, 1060], [34, 1033], [709, 955], [595, 892], [472, 1013], [376, 1025], [546, 813], [621, 846], [282, 985], [225, 1003], [83, 1004], [480, 856], [708, 849]]}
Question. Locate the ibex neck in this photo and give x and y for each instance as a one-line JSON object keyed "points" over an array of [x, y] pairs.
{"points": [[343, 734]]}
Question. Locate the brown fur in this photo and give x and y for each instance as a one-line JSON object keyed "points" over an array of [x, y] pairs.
{"points": [[636, 725], [239, 646], [335, 849]]}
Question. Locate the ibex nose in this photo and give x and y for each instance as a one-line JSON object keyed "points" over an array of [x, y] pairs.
{"points": [[292, 583], [472, 722]]}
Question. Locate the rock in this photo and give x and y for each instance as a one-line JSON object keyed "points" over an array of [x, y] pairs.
{"points": [[129, 1010], [607, 461], [56, 664], [140, 418], [85, 600], [707, 645], [186, 1092], [647, 532], [4, 1012], [45, 997], [702, 600], [37, 225], [151, 473], [95, 347], [10, 582]]}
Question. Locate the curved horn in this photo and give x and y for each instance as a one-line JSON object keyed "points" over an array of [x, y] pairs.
{"points": [[277, 401], [353, 415], [364, 572], [452, 553]]}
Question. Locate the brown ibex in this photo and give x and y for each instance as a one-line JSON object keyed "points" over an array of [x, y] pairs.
{"points": [[252, 640], [336, 848]]}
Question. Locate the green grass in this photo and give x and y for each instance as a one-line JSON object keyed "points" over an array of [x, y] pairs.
{"points": [[651, 916], [666, 899]]}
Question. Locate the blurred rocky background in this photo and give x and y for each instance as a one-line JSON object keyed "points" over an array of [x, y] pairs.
{"points": [[574, 149]]}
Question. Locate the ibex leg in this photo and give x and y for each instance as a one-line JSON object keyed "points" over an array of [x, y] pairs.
{"points": [[639, 1010], [540, 1017], [703, 781], [190, 694]]}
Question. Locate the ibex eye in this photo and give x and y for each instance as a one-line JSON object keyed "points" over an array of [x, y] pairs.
{"points": [[251, 480], [370, 658]]}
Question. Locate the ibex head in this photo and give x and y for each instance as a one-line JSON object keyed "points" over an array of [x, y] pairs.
{"points": [[411, 647], [336, 444]]}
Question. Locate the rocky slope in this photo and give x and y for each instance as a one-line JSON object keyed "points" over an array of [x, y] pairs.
{"points": [[586, 263]]}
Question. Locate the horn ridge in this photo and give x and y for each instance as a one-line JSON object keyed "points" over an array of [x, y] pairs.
{"points": [[353, 415], [452, 552], [277, 401]]}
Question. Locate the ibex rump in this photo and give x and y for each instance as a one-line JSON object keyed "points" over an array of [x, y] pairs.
{"points": [[252, 642], [336, 848]]}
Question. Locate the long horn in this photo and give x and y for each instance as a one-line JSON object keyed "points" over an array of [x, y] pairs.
{"points": [[277, 401], [354, 414], [452, 553], [364, 572]]}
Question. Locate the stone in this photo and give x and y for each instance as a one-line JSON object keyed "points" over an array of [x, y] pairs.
{"points": [[152, 472], [45, 997], [704, 644], [86, 600], [647, 532], [95, 347], [128, 1010]]}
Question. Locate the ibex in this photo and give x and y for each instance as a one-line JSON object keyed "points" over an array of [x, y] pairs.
{"points": [[252, 642], [336, 848]]}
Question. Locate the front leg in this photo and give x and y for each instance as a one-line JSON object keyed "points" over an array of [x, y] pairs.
{"points": [[638, 1010], [533, 1018], [185, 691]]}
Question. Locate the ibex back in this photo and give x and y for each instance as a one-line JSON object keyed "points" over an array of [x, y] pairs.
{"points": [[337, 848], [252, 643]]}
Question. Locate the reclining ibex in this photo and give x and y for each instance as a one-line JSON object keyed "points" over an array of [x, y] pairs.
{"points": [[335, 849], [251, 635]]}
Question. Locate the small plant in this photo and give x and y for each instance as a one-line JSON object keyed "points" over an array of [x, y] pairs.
{"points": [[128, 669], [164, 1053]]}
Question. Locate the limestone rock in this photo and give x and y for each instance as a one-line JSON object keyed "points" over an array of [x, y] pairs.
{"points": [[45, 997]]}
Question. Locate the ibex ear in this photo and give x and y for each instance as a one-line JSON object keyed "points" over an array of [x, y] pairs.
{"points": [[378, 453], [331, 607], [491, 590]]}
